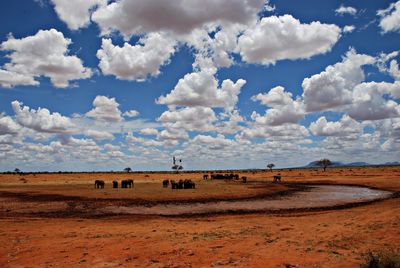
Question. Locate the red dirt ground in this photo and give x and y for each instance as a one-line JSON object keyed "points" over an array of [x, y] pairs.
{"points": [[332, 238]]}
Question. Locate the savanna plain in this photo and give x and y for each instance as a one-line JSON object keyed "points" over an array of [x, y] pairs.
{"points": [[58, 220]]}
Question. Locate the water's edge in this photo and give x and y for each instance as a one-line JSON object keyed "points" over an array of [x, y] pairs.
{"points": [[318, 196]]}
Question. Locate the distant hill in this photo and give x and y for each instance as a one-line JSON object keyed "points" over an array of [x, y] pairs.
{"points": [[314, 164], [392, 163], [357, 164]]}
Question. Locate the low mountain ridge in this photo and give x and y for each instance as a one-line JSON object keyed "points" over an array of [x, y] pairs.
{"points": [[352, 164]]}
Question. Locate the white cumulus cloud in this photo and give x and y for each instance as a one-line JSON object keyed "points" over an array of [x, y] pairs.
{"points": [[213, 143], [349, 28], [136, 62], [43, 54], [284, 108], [99, 135], [149, 131], [333, 87], [201, 89], [42, 120], [8, 126], [131, 113], [390, 18], [189, 118], [344, 127], [105, 109], [179, 16], [278, 38], [369, 104], [76, 13], [394, 69], [346, 10]]}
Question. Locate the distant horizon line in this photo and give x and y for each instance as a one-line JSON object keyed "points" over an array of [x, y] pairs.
{"points": [[388, 164]]}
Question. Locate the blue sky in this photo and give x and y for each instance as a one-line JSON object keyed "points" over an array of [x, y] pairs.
{"points": [[102, 85]]}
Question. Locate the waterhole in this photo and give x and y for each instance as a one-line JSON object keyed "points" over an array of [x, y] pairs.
{"points": [[317, 196]]}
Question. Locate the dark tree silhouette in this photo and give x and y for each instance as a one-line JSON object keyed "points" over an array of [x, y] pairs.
{"points": [[324, 163], [17, 170], [175, 166], [270, 166], [128, 169]]}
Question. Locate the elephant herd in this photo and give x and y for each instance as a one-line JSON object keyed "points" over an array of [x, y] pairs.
{"points": [[181, 184], [99, 184], [230, 176]]}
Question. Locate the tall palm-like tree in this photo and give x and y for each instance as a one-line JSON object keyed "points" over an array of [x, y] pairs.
{"points": [[176, 166]]}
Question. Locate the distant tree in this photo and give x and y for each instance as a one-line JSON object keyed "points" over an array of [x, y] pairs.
{"points": [[128, 169], [324, 163], [270, 166], [17, 170]]}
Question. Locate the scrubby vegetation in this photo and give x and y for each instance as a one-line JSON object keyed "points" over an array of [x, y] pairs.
{"points": [[382, 259]]}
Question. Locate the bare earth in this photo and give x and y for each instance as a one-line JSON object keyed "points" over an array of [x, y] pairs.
{"points": [[41, 225]]}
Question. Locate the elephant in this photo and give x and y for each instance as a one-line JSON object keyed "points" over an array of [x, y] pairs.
{"points": [[174, 184], [99, 184], [130, 183], [188, 184], [277, 178], [165, 183], [127, 183]]}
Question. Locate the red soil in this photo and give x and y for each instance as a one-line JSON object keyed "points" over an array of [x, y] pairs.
{"points": [[333, 238]]}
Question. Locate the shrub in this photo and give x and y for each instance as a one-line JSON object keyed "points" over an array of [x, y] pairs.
{"points": [[384, 259]]}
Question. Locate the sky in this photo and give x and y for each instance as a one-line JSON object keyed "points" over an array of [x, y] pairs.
{"points": [[100, 85]]}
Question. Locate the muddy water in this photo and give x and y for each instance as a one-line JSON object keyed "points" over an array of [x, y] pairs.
{"points": [[317, 196]]}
